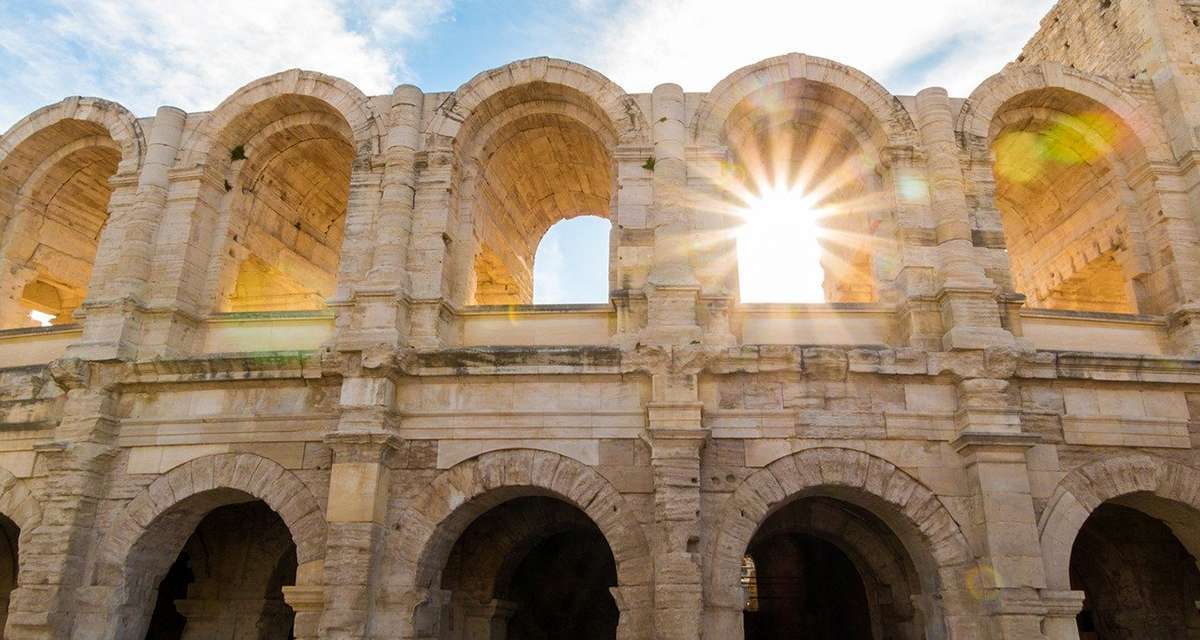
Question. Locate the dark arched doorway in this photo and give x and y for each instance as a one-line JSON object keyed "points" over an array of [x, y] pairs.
{"points": [[531, 568], [821, 568], [227, 581], [1138, 579]]}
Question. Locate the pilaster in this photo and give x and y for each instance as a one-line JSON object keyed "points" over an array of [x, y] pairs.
{"points": [[358, 500], [79, 461], [993, 446], [677, 439]]}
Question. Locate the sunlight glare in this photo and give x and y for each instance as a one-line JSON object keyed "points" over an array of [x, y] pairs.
{"points": [[42, 318], [778, 250]]}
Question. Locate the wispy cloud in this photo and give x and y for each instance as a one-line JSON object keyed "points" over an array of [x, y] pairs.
{"points": [[144, 53], [697, 42]]}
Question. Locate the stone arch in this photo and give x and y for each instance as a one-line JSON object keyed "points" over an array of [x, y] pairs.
{"points": [[154, 525], [890, 115], [930, 535], [340, 95], [797, 122], [1148, 483], [1029, 131], [122, 126], [56, 183], [282, 153], [18, 503], [978, 112], [529, 144], [455, 498], [622, 110]]}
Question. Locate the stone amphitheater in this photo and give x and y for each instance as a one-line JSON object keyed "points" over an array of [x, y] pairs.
{"points": [[273, 370]]}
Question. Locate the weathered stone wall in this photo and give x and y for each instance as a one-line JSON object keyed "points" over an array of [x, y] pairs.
{"points": [[277, 400]]}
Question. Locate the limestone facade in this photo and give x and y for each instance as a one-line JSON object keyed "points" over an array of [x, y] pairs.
{"points": [[294, 387]]}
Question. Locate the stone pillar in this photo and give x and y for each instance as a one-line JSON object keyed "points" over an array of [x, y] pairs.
{"points": [[358, 502], [117, 292], [677, 439], [78, 462], [428, 254], [966, 296], [993, 448], [178, 294], [672, 288], [379, 313]]}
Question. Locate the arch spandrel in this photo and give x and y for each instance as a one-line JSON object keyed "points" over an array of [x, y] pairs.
{"points": [[888, 114], [623, 113], [336, 94]]}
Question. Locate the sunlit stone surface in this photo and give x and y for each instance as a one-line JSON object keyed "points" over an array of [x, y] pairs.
{"points": [[869, 366]]}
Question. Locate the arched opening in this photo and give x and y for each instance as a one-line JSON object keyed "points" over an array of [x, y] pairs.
{"points": [[227, 581], [824, 568], [531, 156], [55, 185], [530, 568], [1138, 579], [1071, 212], [572, 262], [9, 533], [287, 187], [808, 192], [213, 565]]}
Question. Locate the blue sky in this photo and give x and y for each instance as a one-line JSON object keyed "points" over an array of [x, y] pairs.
{"points": [[145, 53]]}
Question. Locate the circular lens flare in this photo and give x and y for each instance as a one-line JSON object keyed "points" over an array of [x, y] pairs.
{"points": [[779, 253]]}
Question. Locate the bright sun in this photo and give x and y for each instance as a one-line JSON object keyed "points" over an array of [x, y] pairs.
{"points": [[778, 250]]}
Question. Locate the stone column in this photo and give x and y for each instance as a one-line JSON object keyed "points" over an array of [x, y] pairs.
{"points": [[993, 448], [966, 296], [358, 502], [677, 439], [117, 293], [379, 313], [672, 288]]}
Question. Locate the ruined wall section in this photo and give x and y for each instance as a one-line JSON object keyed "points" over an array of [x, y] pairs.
{"points": [[1112, 38]]}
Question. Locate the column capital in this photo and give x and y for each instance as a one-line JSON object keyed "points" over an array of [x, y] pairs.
{"points": [[362, 446]]}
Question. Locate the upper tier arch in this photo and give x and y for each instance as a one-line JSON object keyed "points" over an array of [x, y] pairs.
{"points": [[340, 95], [622, 110], [976, 120], [893, 124], [122, 126]]}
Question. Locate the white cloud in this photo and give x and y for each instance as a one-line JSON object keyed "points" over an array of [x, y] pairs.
{"points": [[697, 42], [145, 53]]}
